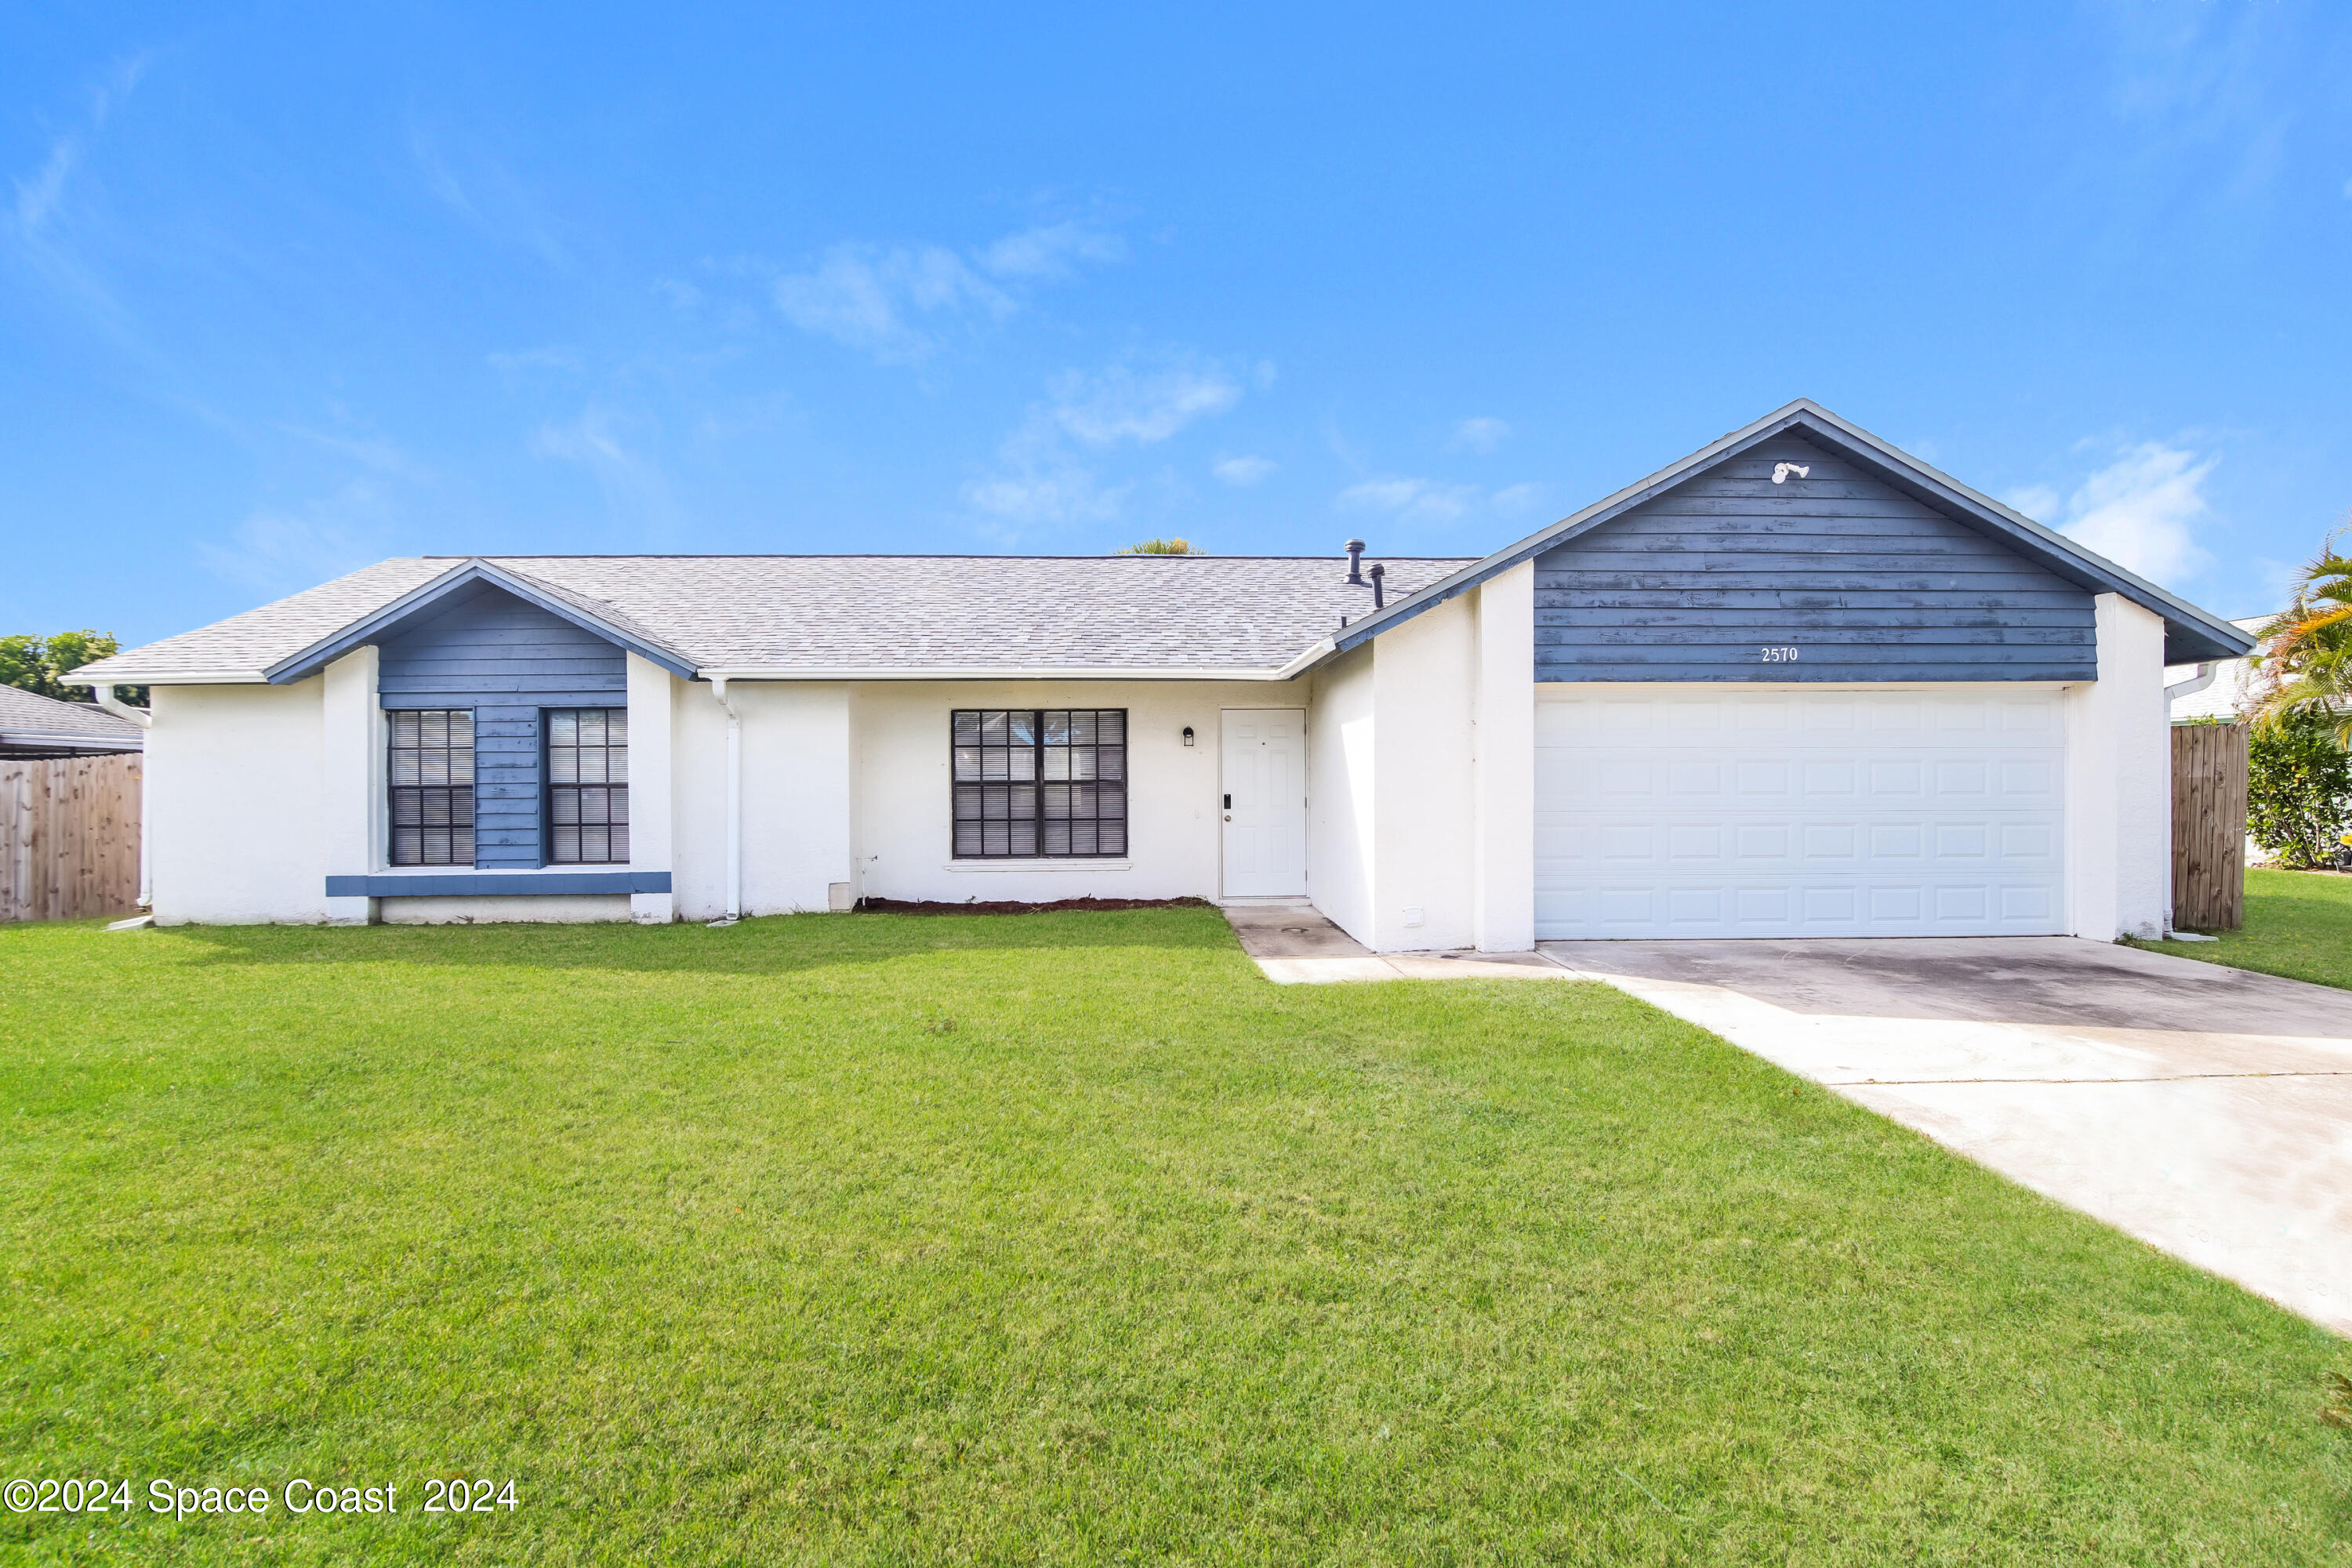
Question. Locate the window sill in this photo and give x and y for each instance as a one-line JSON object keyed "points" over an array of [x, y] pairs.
{"points": [[1050, 863], [460, 882]]}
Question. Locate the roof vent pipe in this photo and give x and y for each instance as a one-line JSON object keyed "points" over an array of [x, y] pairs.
{"points": [[1356, 561], [1380, 599]]}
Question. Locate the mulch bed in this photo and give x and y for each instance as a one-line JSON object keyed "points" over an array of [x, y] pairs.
{"points": [[1002, 907]]}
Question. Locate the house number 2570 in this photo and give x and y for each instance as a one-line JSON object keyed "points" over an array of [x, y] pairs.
{"points": [[1780, 656]]}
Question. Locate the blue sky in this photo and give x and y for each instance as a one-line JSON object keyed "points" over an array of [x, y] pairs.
{"points": [[287, 289]]}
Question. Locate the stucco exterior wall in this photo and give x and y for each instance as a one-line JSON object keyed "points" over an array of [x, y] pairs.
{"points": [[904, 804], [1339, 793], [2119, 781], [1423, 781], [796, 786], [1425, 684], [1504, 755], [496, 908], [235, 804], [698, 729]]}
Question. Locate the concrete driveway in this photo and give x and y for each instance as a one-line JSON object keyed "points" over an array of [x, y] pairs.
{"points": [[2206, 1110]]}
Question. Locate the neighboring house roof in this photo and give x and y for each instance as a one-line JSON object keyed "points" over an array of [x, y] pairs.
{"points": [[834, 617], [2213, 688], [33, 721], [2191, 634]]}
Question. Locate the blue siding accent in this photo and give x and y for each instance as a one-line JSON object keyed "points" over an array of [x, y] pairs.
{"points": [[468, 884], [1865, 581], [507, 659]]}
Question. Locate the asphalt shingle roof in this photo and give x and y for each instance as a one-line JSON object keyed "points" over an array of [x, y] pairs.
{"points": [[815, 613], [26, 714]]}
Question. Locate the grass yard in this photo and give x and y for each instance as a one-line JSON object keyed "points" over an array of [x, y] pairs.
{"points": [[1057, 1239], [2298, 925]]}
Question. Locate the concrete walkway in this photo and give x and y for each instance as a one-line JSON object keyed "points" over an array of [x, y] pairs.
{"points": [[1295, 945], [2206, 1110]]}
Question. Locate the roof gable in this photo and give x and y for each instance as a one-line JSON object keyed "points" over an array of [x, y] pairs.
{"points": [[459, 584], [2191, 634], [1787, 561]]}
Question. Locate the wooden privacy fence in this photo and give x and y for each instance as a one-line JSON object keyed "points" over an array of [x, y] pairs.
{"points": [[2209, 826], [69, 836]]}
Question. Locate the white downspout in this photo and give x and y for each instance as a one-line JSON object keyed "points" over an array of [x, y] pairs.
{"points": [[734, 803], [145, 719]]}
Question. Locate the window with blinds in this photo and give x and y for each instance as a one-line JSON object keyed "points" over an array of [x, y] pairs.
{"points": [[431, 775], [588, 786], [1032, 783]]}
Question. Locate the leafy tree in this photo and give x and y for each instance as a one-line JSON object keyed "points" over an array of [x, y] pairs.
{"points": [[40, 664], [24, 665], [2298, 786], [1161, 547], [2305, 664]]}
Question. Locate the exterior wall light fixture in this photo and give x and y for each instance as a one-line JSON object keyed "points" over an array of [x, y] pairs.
{"points": [[1188, 734]]}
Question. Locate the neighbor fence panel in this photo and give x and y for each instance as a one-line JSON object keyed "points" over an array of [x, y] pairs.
{"points": [[69, 836], [2209, 826]]}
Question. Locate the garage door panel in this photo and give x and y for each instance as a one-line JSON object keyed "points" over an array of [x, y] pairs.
{"points": [[1795, 843], [1871, 906], [1799, 813]]}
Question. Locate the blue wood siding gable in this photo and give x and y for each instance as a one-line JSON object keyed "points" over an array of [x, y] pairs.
{"points": [[1864, 582], [506, 661]]}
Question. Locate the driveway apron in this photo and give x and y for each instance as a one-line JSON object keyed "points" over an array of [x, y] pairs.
{"points": [[2206, 1110]]}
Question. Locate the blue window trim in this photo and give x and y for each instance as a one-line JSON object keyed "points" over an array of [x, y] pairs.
{"points": [[475, 884]]}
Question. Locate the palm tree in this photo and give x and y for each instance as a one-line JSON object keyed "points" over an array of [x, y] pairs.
{"points": [[2306, 660]]}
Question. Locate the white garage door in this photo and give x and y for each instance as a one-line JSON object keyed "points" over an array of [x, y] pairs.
{"points": [[1668, 812]]}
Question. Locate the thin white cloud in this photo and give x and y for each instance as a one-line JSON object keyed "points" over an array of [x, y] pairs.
{"points": [[378, 453], [2141, 511], [634, 485], [1061, 495], [872, 299], [37, 197], [1241, 472], [282, 551], [1409, 499], [1479, 435], [1044, 472], [40, 222], [898, 302], [1515, 498], [494, 201], [1051, 252], [1118, 404]]}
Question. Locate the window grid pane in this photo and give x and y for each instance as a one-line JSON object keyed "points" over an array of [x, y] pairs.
{"points": [[1038, 781], [430, 772], [588, 786]]}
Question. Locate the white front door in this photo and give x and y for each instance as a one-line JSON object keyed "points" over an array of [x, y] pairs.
{"points": [[1666, 811], [1265, 802]]}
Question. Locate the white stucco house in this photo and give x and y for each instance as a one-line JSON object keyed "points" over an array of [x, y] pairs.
{"points": [[2216, 689], [1797, 683]]}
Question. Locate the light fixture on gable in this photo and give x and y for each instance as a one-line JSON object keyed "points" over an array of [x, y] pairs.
{"points": [[1780, 471]]}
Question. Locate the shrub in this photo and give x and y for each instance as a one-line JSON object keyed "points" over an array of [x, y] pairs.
{"points": [[2298, 787]]}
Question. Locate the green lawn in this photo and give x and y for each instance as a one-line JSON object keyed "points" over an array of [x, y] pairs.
{"points": [[2298, 925], [1057, 1239]]}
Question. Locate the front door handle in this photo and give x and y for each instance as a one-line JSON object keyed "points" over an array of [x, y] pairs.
{"points": [[1229, 816]]}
